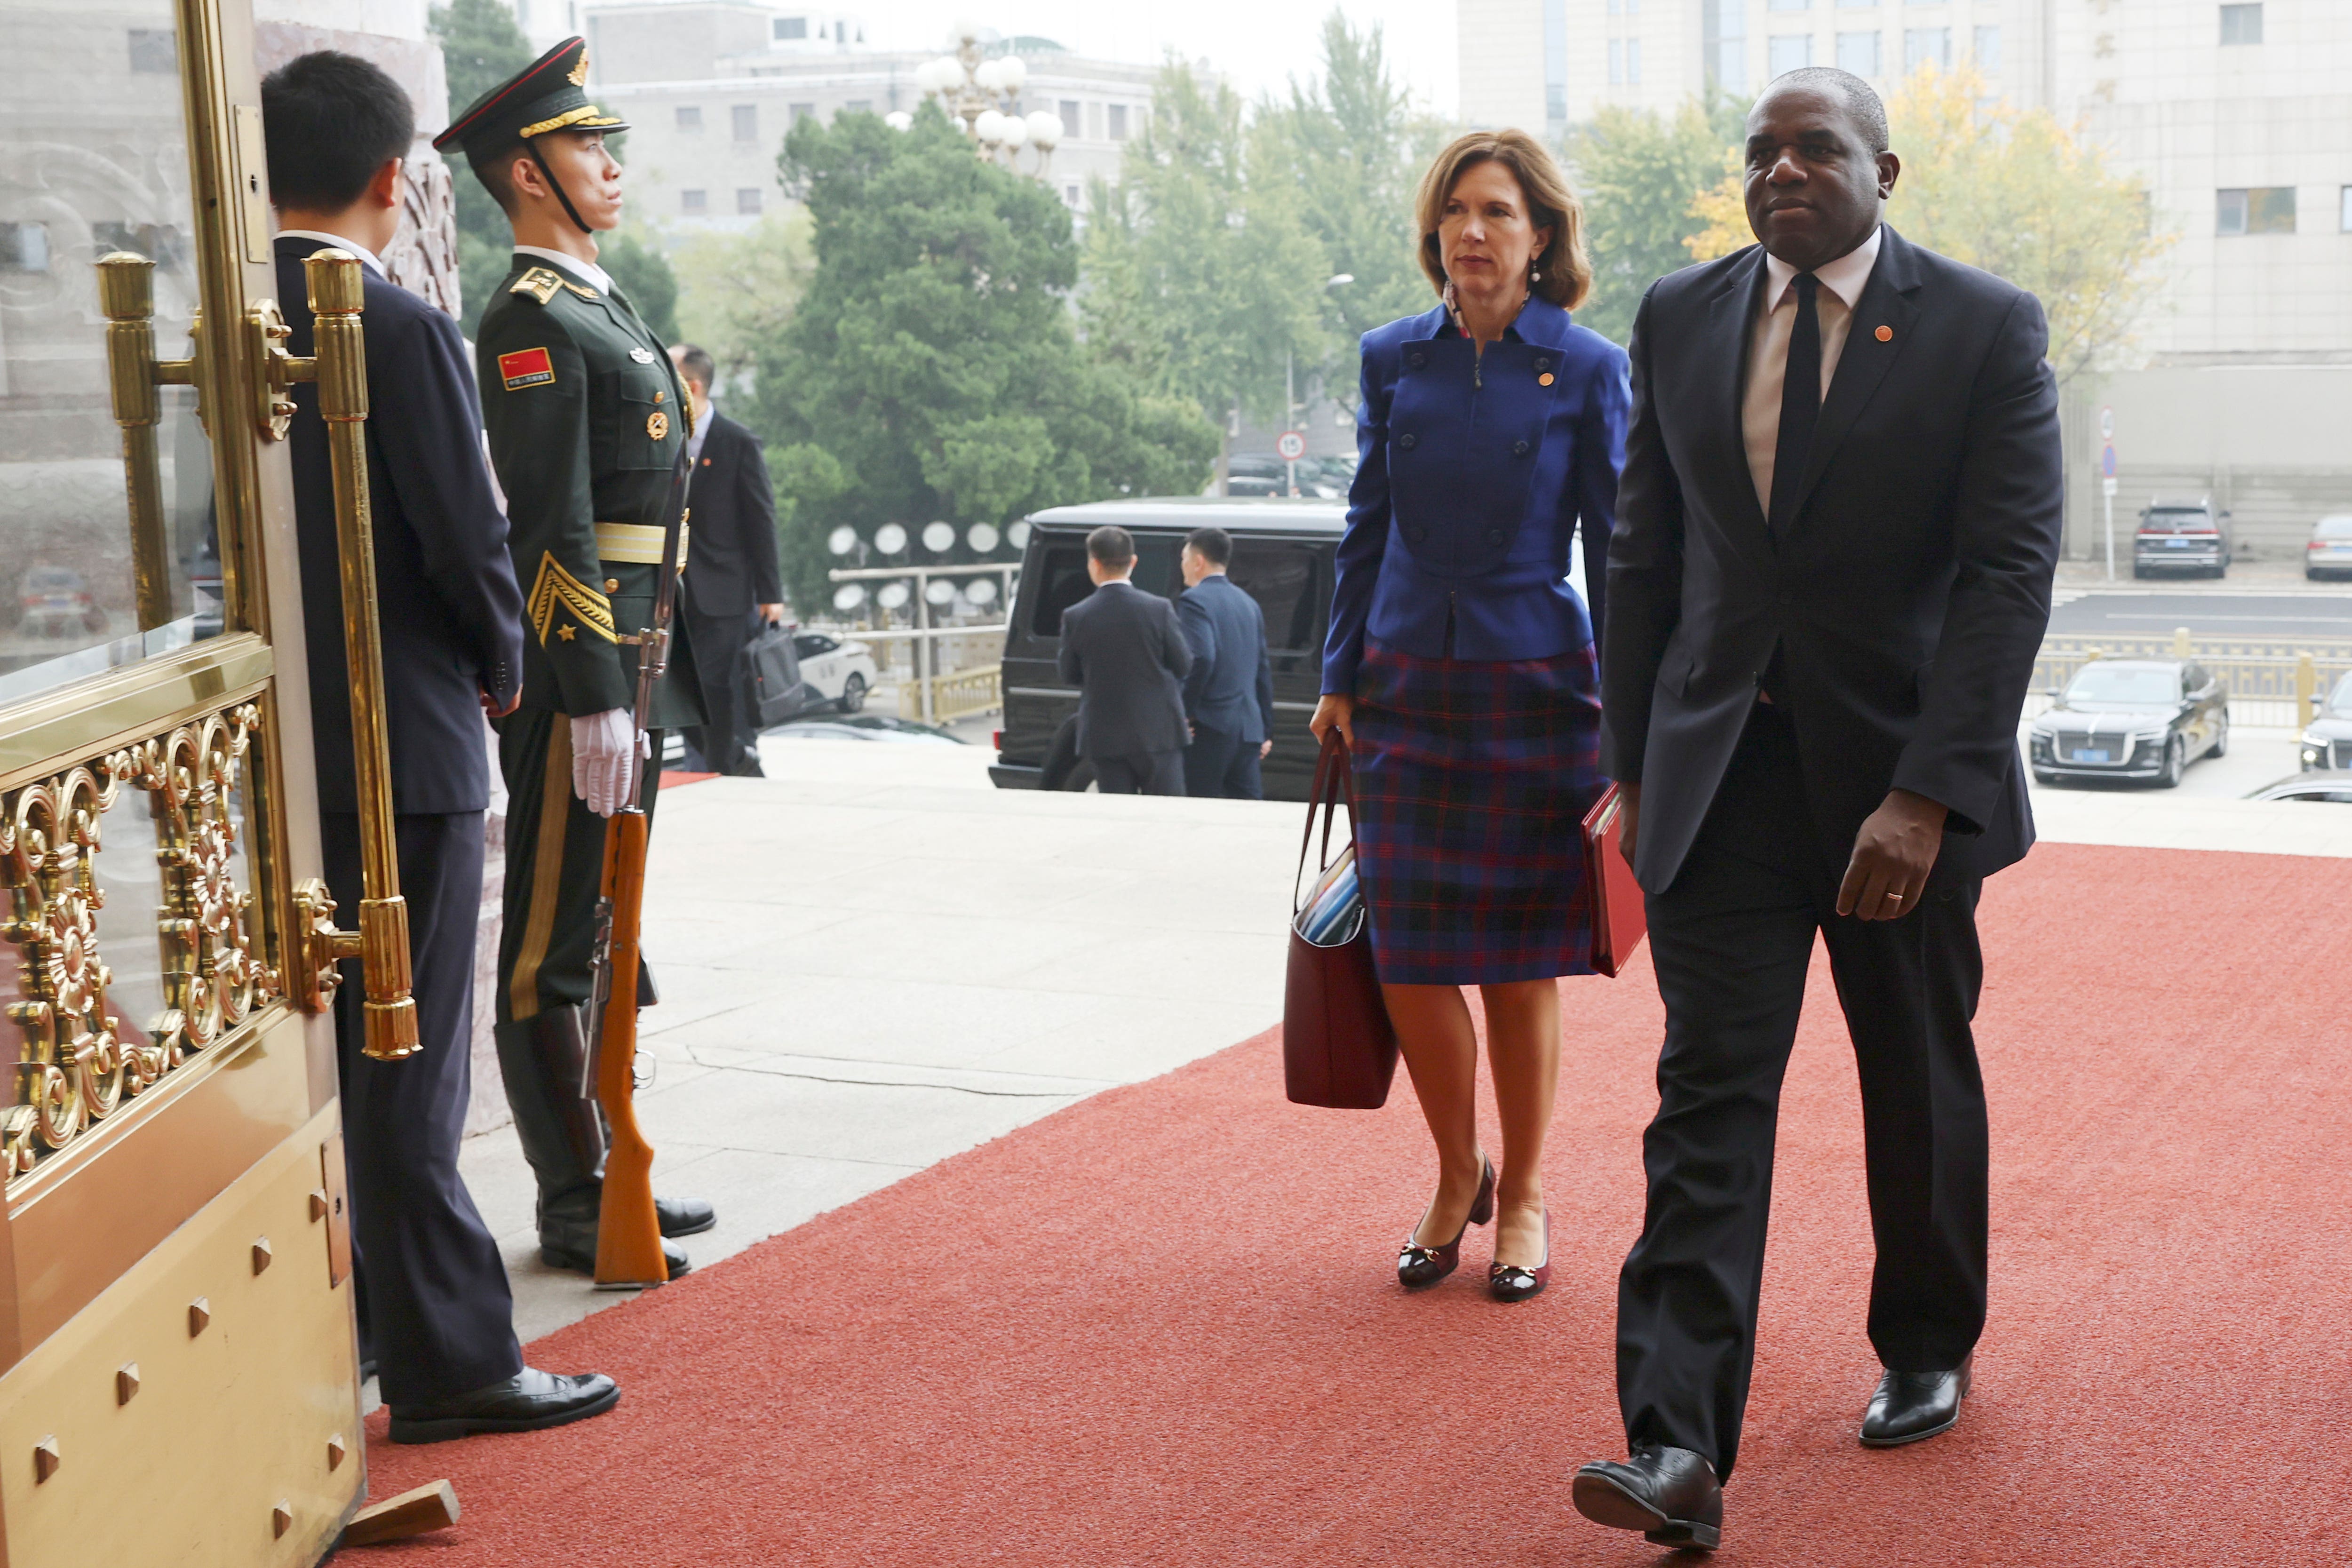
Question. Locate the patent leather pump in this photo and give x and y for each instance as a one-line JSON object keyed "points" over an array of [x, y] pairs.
{"points": [[1509, 1282], [1419, 1265]]}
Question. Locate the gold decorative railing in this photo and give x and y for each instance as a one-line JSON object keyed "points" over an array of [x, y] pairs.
{"points": [[2271, 680], [959, 694], [75, 1066]]}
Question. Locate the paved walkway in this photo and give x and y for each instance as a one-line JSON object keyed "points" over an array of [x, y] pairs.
{"points": [[872, 960]]}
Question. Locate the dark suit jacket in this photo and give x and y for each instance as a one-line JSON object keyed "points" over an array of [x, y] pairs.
{"points": [[731, 562], [1122, 650], [1906, 598], [1231, 688], [446, 600]]}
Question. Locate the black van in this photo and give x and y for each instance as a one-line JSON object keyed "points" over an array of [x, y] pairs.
{"points": [[1282, 556]]}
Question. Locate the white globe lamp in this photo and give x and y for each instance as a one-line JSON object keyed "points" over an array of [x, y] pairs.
{"points": [[939, 591], [889, 539], [842, 540], [981, 590], [892, 595], [1013, 133], [989, 76], [899, 119], [939, 536], [848, 596], [1017, 536], [989, 127], [1012, 70], [1045, 129], [981, 537]]}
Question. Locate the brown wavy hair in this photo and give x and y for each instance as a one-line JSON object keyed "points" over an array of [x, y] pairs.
{"points": [[1567, 270]]}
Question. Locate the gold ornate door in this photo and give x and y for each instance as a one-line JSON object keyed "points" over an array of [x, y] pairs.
{"points": [[178, 1373]]}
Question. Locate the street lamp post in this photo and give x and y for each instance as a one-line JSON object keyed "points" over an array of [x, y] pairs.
{"points": [[984, 92]]}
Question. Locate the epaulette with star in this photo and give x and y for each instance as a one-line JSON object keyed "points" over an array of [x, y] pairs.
{"points": [[540, 283]]}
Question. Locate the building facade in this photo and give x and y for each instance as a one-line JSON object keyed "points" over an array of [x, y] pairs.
{"points": [[2236, 117], [712, 87]]}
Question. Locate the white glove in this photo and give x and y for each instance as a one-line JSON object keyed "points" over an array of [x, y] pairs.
{"points": [[601, 744]]}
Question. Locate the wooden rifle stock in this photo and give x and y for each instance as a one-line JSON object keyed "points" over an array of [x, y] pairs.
{"points": [[628, 1232]]}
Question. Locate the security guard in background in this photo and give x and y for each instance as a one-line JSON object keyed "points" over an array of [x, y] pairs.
{"points": [[586, 417]]}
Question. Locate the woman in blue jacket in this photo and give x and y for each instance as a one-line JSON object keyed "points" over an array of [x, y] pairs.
{"points": [[1461, 668]]}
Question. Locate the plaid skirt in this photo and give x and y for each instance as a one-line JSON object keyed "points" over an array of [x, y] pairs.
{"points": [[1472, 779]]}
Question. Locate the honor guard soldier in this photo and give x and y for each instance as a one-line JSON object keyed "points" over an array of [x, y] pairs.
{"points": [[435, 1313], [586, 419]]}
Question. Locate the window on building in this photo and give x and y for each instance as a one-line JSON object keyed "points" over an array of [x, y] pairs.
{"points": [[1858, 53], [1616, 7], [1926, 46], [1723, 26], [1616, 62], [1555, 63], [1070, 121], [1118, 123], [24, 247], [1070, 197], [1988, 50], [796, 113], [2241, 24], [689, 118], [858, 106], [1094, 123], [1857, 4], [747, 122], [694, 201], [1788, 4], [841, 32], [2344, 214], [2258, 209], [1790, 51], [155, 50], [790, 29], [747, 200]]}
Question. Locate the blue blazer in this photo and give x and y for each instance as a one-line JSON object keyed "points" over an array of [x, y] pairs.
{"points": [[446, 592], [1471, 481], [1231, 688]]}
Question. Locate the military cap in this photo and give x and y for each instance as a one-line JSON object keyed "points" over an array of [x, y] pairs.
{"points": [[548, 95]]}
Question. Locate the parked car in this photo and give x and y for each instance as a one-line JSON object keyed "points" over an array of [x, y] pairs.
{"points": [[2132, 719], [2182, 536], [55, 601], [1252, 476], [842, 672], [2333, 786], [2329, 552], [2327, 742], [1282, 556]]}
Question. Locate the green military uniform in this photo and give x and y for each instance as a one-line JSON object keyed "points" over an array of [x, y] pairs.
{"points": [[586, 419]]}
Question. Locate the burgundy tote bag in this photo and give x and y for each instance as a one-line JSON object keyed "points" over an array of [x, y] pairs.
{"points": [[1339, 1048]]}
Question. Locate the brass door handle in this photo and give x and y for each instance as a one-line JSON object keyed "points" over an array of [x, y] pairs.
{"points": [[126, 293], [339, 366]]}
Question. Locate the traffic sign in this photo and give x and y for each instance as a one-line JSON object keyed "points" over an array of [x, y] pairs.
{"points": [[1290, 446], [2107, 462], [2107, 488], [2107, 424]]}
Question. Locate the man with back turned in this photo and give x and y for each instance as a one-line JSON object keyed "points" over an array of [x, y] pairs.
{"points": [[1122, 650], [1836, 530], [434, 1310], [586, 415], [1229, 695]]}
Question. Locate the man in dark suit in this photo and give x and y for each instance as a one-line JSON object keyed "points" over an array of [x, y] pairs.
{"points": [[732, 583], [434, 1306], [1123, 650], [1837, 527], [1229, 696]]}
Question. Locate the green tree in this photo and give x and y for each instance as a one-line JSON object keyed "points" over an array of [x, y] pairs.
{"points": [[1200, 278], [1638, 173], [736, 291], [481, 47], [932, 372], [2016, 193], [1355, 149], [644, 276]]}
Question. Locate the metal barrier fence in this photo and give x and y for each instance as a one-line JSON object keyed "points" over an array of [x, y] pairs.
{"points": [[2271, 681]]}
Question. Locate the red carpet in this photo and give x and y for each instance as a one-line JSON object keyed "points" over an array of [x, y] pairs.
{"points": [[1161, 1326]]}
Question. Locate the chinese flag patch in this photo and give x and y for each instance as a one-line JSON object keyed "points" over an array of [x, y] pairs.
{"points": [[526, 367]]}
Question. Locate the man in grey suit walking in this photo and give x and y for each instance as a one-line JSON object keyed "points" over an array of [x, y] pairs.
{"points": [[1229, 696], [1122, 650]]}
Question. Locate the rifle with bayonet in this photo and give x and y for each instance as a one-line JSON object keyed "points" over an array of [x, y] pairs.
{"points": [[628, 1232]]}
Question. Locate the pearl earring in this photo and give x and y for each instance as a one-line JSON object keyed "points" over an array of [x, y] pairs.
{"points": [[1534, 274]]}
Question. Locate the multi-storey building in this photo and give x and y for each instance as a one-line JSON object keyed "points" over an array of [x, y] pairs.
{"points": [[711, 88], [2237, 118]]}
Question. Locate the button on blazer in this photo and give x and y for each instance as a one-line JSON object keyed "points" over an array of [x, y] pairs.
{"points": [[1474, 475]]}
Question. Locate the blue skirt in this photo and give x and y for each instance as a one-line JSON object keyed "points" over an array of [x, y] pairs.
{"points": [[1472, 779]]}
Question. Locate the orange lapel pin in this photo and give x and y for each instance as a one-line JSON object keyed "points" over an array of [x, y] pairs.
{"points": [[1884, 334]]}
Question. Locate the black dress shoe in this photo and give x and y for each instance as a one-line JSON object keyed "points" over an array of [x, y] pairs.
{"points": [[579, 1253], [528, 1401], [1670, 1495], [1912, 1406], [685, 1216]]}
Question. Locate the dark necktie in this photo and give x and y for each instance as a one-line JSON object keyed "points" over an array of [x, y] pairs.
{"points": [[1800, 402]]}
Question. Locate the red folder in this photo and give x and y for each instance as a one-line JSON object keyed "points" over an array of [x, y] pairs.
{"points": [[1619, 921]]}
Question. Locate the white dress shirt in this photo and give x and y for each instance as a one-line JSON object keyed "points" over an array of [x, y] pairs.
{"points": [[367, 257], [1841, 282], [595, 277]]}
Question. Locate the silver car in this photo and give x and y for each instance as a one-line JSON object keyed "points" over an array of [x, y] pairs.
{"points": [[2328, 742], [2329, 553]]}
